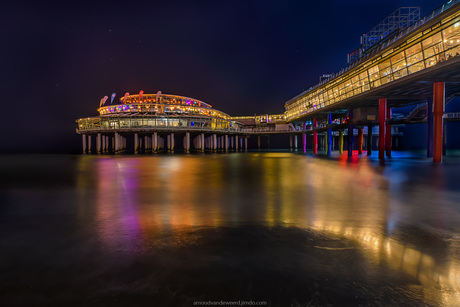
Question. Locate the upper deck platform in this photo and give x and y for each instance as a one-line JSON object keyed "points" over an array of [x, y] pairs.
{"points": [[401, 69]]}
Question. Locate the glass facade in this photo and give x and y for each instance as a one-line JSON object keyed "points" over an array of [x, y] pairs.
{"points": [[423, 49], [155, 123]]}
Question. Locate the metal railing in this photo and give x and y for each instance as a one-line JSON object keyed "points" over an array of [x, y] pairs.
{"points": [[416, 108], [451, 115]]}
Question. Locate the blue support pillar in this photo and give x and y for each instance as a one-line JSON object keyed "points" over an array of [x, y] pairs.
{"points": [[350, 132], [429, 120], [369, 140], [329, 135]]}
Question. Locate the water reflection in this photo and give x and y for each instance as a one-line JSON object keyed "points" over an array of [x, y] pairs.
{"points": [[401, 216]]}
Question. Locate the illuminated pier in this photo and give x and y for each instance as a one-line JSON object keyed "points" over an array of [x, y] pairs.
{"points": [[415, 62], [155, 122]]}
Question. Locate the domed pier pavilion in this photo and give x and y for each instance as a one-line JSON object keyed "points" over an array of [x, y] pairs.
{"points": [[156, 122]]}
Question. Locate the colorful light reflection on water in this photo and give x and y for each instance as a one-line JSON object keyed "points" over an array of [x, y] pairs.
{"points": [[119, 214], [356, 200]]}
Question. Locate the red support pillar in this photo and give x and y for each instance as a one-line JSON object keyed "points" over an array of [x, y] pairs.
{"points": [[360, 141], [438, 112], [388, 135], [382, 119], [315, 136]]}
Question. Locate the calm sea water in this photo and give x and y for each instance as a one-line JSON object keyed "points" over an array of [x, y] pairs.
{"points": [[277, 228]]}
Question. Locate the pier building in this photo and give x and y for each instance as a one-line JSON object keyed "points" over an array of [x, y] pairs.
{"points": [[404, 61], [155, 121]]}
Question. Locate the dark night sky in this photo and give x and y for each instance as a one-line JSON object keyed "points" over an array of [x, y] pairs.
{"points": [[243, 57]]}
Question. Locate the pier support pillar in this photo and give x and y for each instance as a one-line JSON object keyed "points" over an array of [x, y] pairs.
{"points": [[83, 138], [295, 142], [187, 142], [341, 138], [350, 132], [168, 142], [172, 142], [388, 135], [382, 126], [329, 135], [154, 142], [232, 146], [245, 144], [258, 142], [202, 142], [369, 140], [116, 143], [304, 137], [341, 141], [315, 136], [136, 143], [438, 112], [429, 119], [226, 142], [360, 141], [304, 142], [444, 139], [290, 142], [98, 143], [214, 142], [103, 150]]}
